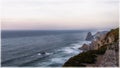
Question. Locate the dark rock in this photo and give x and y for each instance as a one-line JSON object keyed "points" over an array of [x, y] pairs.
{"points": [[43, 52], [89, 36]]}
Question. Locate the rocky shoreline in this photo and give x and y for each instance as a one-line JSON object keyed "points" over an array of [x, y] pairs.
{"points": [[103, 51]]}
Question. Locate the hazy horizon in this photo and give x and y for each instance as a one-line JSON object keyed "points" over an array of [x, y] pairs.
{"points": [[59, 14]]}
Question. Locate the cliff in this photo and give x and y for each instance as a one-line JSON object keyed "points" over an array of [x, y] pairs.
{"points": [[111, 56], [101, 52]]}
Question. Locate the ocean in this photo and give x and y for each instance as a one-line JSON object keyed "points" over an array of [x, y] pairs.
{"points": [[40, 48]]}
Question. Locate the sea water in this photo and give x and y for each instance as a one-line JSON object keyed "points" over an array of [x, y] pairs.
{"points": [[40, 48]]}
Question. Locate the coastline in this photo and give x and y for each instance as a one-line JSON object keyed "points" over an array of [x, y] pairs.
{"points": [[101, 52]]}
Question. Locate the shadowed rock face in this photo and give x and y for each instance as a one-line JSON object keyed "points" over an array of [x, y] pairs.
{"points": [[89, 37]]}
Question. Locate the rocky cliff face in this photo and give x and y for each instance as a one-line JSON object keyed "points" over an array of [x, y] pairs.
{"points": [[111, 56], [96, 43], [109, 59], [100, 35], [105, 44], [112, 36]]}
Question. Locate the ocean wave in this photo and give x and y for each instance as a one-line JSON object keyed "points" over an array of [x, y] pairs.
{"points": [[63, 54], [59, 56], [23, 60], [72, 49]]}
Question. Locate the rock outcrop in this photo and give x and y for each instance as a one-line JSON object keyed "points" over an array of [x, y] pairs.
{"points": [[100, 35], [96, 43], [89, 36], [85, 47], [105, 44], [112, 36]]}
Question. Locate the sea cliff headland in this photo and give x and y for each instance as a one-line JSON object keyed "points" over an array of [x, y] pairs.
{"points": [[103, 51]]}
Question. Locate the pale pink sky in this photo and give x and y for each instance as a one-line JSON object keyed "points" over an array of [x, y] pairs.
{"points": [[59, 14]]}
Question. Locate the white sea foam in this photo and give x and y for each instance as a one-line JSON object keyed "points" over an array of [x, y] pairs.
{"points": [[72, 49], [57, 60], [48, 53], [68, 50], [76, 46], [63, 54], [39, 54]]}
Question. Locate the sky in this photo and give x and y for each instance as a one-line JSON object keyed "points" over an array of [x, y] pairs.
{"points": [[59, 14]]}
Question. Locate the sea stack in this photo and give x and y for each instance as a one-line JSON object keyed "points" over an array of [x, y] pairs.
{"points": [[89, 37]]}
